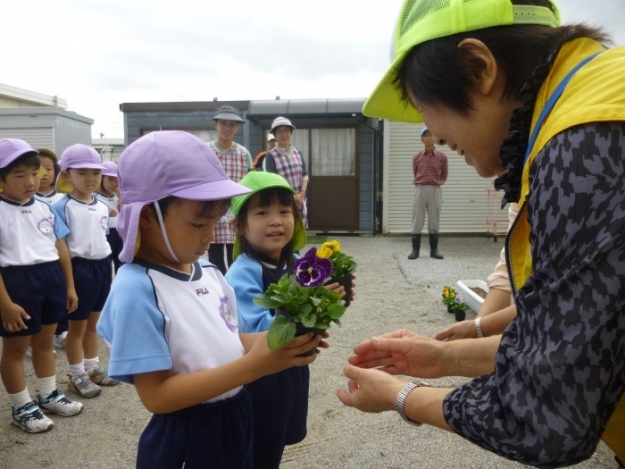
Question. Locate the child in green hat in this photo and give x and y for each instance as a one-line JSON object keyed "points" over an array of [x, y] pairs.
{"points": [[269, 233]]}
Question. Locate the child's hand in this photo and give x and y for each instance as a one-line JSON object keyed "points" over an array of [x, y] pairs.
{"points": [[13, 318], [337, 287], [269, 361], [112, 213], [71, 302]]}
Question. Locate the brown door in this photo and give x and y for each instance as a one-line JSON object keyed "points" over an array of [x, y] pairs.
{"points": [[333, 203], [333, 195]]}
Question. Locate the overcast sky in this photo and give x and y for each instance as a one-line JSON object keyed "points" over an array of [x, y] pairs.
{"points": [[98, 54]]}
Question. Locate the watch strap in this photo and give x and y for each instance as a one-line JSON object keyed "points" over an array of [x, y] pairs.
{"points": [[400, 400], [478, 327]]}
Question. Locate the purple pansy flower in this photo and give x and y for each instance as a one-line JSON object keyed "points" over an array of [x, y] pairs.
{"points": [[310, 270]]}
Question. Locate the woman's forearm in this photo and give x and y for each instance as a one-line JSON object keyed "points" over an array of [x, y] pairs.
{"points": [[470, 357]]}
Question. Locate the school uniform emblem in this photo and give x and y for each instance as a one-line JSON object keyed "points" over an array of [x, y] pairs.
{"points": [[227, 314], [45, 226]]}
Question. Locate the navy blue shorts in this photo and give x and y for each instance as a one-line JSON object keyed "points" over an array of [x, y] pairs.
{"points": [[280, 406], [216, 435], [41, 290], [92, 279]]}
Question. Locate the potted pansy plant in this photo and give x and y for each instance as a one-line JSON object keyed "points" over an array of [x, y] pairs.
{"points": [[343, 266], [301, 301], [453, 300]]}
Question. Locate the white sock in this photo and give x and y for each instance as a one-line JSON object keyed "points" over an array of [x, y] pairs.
{"points": [[91, 364], [20, 399], [46, 386], [77, 370]]}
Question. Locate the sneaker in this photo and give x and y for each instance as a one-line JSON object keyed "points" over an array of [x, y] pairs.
{"points": [[101, 378], [83, 386], [59, 340], [30, 418], [59, 404]]}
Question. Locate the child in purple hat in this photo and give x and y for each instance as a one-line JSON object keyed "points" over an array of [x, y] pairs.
{"points": [[36, 287], [87, 220], [109, 194], [171, 318]]}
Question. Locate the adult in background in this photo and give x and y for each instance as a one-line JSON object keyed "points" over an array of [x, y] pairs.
{"points": [[541, 107], [429, 168], [287, 161], [237, 162], [260, 158]]}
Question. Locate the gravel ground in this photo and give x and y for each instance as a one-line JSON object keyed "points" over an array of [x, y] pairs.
{"points": [[392, 292]]}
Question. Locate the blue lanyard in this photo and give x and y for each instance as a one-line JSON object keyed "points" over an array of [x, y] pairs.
{"points": [[553, 99]]}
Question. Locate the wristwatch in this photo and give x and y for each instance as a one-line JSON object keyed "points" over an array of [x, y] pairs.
{"points": [[401, 399]]}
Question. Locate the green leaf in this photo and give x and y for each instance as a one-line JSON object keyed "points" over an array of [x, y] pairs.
{"points": [[280, 333], [309, 320], [335, 311]]}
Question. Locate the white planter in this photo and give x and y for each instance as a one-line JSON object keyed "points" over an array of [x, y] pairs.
{"points": [[469, 297]]}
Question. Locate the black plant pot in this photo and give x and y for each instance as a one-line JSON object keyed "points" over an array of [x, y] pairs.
{"points": [[460, 315], [449, 310], [300, 329], [346, 282]]}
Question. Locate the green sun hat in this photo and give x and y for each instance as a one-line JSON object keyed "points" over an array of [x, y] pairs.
{"points": [[258, 181], [423, 20]]}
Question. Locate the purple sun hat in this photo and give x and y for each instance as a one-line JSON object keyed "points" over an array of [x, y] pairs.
{"points": [[77, 156], [11, 149], [110, 169], [162, 164]]}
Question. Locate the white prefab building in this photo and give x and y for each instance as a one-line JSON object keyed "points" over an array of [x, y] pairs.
{"points": [[41, 120], [467, 204]]}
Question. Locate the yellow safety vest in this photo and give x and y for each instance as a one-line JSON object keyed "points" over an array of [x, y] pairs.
{"points": [[585, 99]]}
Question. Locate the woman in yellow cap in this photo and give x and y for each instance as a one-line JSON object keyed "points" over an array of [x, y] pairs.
{"points": [[541, 107]]}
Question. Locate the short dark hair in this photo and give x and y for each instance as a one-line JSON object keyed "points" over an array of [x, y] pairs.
{"points": [[30, 159], [439, 72]]}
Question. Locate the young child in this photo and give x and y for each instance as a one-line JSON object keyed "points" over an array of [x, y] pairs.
{"points": [[269, 231], [47, 193], [171, 319], [87, 220], [51, 169], [36, 288], [237, 162], [108, 193]]}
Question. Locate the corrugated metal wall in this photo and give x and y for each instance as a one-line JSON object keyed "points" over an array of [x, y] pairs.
{"points": [[45, 127], [464, 195], [36, 137]]}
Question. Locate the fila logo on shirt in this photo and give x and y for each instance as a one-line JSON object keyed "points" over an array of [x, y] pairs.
{"points": [[25, 212], [201, 291]]}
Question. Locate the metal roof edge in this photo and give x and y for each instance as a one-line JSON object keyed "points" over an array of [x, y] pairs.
{"points": [[44, 110]]}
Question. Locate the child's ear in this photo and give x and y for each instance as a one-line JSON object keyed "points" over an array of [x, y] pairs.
{"points": [[146, 217], [236, 226]]}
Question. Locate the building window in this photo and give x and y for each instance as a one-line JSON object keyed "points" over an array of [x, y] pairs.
{"points": [[327, 152]]}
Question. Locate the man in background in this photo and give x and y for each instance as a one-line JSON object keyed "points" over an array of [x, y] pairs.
{"points": [[429, 168]]}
